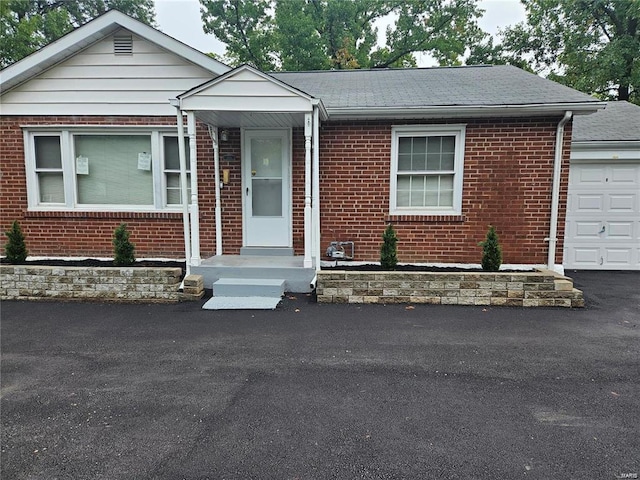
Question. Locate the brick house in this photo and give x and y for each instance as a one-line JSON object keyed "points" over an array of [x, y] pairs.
{"points": [[277, 165]]}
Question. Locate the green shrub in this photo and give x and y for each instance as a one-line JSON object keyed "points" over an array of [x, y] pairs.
{"points": [[389, 249], [123, 249], [16, 248], [491, 251]]}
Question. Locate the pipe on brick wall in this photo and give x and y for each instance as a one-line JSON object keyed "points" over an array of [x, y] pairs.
{"points": [[555, 191]]}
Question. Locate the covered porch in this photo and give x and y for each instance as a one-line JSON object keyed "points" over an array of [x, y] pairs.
{"points": [[272, 189]]}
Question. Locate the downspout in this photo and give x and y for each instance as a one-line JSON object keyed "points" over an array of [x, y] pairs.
{"points": [[213, 133], [555, 192], [183, 185]]}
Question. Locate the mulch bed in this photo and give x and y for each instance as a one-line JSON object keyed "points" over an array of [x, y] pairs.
{"points": [[408, 268]]}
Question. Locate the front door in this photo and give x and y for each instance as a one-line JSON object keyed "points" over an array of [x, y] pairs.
{"points": [[267, 193]]}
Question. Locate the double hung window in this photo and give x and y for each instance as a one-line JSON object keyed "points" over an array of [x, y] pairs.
{"points": [[103, 170], [426, 173]]}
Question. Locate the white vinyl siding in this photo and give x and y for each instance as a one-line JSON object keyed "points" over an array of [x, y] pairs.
{"points": [[107, 169], [97, 81], [426, 174]]}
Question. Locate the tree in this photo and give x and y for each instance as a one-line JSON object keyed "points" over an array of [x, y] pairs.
{"points": [[15, 248], [27, 25], [491, 251], [389, 249], [324, 34], [123, 249], [590, 45]]}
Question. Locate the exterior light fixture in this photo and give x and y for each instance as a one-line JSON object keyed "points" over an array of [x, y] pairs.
{"points": [[224, 135]]}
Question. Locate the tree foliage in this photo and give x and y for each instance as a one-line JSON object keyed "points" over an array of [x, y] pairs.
{"points": [[491, 251], [389, 249], [123, 249], [15, 249], [27, 25], [590, 45], [324, 34]]}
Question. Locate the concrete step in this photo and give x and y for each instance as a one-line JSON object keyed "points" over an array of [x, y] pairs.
{"points": [[248, 287], [241, 303], [267, 251]]}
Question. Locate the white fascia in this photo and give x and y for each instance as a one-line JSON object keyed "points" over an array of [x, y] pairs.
{"points": [[456, 111]]}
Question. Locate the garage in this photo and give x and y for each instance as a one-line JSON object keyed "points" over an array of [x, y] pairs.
{"points": [[603, 206]]}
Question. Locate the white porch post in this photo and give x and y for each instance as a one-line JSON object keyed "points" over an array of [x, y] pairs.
{"points": [[316, 187], [213, 132], [183, 189], [195, 210], [308, 124]]}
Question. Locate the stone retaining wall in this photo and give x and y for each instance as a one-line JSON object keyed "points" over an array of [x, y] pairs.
{"points": [[134, 284], [526, 289]]}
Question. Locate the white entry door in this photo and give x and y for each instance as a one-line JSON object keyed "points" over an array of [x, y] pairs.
{"points": [[267, 188], [603, 217]]}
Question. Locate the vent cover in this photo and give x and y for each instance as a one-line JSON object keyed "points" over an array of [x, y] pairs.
{"points": [[123, 45]]}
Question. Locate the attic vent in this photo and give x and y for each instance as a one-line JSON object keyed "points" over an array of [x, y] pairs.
{"points": [[123, 45]]}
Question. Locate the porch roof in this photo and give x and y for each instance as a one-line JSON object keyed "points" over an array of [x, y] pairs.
{"points": [[248, 97]]}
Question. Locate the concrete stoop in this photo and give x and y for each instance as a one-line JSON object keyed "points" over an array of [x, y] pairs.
{"points": [[246, 294]]}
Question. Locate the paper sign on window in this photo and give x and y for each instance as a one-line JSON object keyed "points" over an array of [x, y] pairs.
{"points": [[144, 161], [82, 165]]}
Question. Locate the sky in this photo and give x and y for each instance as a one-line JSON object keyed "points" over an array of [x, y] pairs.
{"points": [[181, 20]]}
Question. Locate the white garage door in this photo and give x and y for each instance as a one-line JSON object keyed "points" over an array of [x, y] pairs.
{"points": [[603, 217]]}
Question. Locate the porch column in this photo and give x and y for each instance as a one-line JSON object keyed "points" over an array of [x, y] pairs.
{"points": [[183, 188], [315, 210], [213, 133], [308, 124], [195, 210]]}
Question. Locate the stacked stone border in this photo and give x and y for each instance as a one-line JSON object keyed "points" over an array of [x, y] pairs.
{"points": [[124, 284], [541, 288]]}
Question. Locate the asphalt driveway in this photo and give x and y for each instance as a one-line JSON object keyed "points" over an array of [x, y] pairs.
{"points": [[107, 391]]}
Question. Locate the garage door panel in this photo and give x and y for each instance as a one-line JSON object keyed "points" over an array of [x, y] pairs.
{"points": [[603, 217], [586, 256], [589, 203], [620, 230], [626, 175], [590, 175], [623, 203], [618, 256]]}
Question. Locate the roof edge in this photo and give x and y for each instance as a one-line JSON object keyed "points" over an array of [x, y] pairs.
{"points": [[453, 111]]}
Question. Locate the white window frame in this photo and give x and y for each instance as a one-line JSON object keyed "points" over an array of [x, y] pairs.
{"points": [[66, 134], [165, 170], [450, 130]]}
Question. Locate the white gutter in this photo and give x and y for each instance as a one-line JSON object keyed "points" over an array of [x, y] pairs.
{"points": [[555, 191], [183, 185], [452, 111]]}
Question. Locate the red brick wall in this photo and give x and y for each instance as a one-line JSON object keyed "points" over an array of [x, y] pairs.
{"points": [[78, 233], [507, 182], [508, 169]]}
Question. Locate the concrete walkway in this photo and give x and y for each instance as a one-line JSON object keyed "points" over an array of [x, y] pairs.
{"points": [[308, 391]]}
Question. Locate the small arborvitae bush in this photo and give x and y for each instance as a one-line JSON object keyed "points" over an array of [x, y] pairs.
{"points": [[123, 249], [389, 250], [491, 251], [15, 249]]}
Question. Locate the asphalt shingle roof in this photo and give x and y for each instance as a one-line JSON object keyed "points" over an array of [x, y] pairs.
{"points": [[619, 122], [426, 87]]}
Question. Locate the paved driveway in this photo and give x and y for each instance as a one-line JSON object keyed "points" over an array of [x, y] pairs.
{"points": [[99, 391]]}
